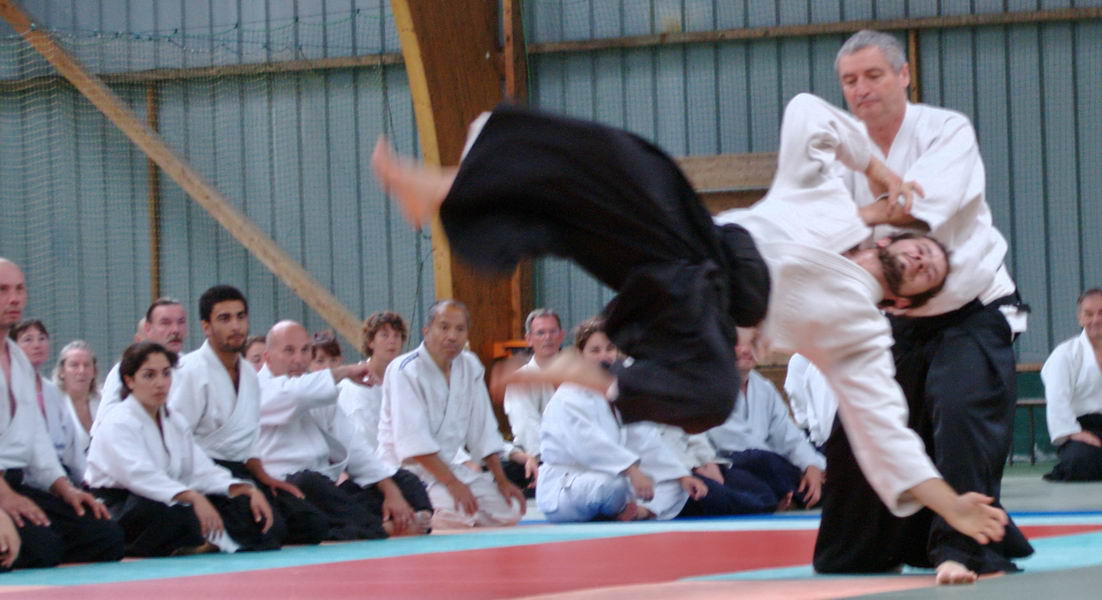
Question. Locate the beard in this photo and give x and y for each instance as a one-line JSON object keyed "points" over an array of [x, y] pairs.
{"points": [[893, 271]]}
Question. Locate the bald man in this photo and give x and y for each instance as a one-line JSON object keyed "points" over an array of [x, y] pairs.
{"points": [[307, 440], [57, 521]]}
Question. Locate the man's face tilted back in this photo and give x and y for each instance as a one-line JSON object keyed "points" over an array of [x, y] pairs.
{"points": [[874, 92], [914, 266]]}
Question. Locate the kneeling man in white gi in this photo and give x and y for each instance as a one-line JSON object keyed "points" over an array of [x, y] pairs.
{"points": [[435, 403]]}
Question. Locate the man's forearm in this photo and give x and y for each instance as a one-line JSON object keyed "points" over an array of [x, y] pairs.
{"points": [[436, 467]]}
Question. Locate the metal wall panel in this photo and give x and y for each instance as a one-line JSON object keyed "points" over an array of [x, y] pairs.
{"points": [[290, 150], [1032, 91]]}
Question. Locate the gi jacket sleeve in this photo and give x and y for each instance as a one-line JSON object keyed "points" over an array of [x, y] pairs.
{"points": [[573, 426], [1059, 375], [282, 396]]}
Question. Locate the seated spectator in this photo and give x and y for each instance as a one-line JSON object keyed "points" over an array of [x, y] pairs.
{"points": [[57, 522], [254, 351], [34, 340], [384, 335], [165, 323], [308, 441], [1073, 396], [525, 402], [326, 351], [165, 492], [698, 455], [812, 400], [76, 376], [766, 449], [592, 467], [435, 403]]}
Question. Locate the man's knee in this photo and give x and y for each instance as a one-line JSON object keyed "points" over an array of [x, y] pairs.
{"points": [[40, 547]]}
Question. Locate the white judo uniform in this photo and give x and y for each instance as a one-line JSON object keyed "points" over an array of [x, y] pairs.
{"points": [[802, 225], [760, 421], [1073, 387], [302, 429], [424, 413], [813, 404], [24, 441], [361, 404], [130, 452], [524, 405], [63, 428], [225, 421], [586, 451]]}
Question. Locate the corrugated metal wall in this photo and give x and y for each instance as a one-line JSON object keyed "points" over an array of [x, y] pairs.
{"points": [[290, 149], [1033, 92]]}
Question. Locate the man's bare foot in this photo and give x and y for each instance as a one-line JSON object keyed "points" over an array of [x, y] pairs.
{"points": [[952, 572], [418, 189], [629, 513], [568, 367]]}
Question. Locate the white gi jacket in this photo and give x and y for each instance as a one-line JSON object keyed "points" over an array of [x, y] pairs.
{"points": [[301, 428], [63, 427], [423, 413], [692, 450], [760, 422], [130, 452], [524, 405], [224, 421], [812, 285], [937, 148], [1073, 387], [580, 433], [362, 404], [812, 400], [24, 441]]}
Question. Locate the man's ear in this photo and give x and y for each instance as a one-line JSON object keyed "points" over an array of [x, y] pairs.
{"points": [[883, 242]]}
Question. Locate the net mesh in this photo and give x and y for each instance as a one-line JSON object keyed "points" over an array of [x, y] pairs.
{"points": [[280, 116]]}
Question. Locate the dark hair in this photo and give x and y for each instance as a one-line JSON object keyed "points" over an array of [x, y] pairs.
{"points": [[325, 341], [18, 330], [135, 356], [162, 301], [216, 294], [921, 299], [252, 339], [378, 320], [586, 329], [1086, 294]]}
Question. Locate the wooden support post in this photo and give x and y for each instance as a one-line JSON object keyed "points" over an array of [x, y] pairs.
{"points": [[252, 237], [153, 180], [450, 62]]}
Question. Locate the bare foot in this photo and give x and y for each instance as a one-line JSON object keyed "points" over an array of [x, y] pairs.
{"points": [[643, 513], [952, 572], [568, 367], [629, 513], [418, 189]]}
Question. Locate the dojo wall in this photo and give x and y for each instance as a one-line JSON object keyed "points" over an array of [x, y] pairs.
{"points": [[1034, 93], [289, 149]]}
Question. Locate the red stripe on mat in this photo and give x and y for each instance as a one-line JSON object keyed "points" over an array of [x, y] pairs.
{"points": [[501, 572]]}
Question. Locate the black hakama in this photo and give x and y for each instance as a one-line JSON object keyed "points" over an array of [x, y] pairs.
{"points": [[534, 184], [302, 521], [957, 372], [1080, 461]]}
